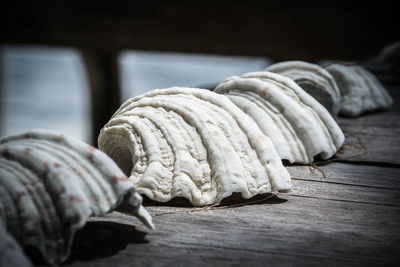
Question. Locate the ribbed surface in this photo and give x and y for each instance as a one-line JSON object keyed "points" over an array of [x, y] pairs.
{"points": [[300, 127], [360, 90], [313, 79], [51, 184], [191, 143]]}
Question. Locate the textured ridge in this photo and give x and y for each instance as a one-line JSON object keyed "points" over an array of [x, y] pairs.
{"points": [[299, 127], [360, 90], [313, 79], [191, 143], [51, 184]]}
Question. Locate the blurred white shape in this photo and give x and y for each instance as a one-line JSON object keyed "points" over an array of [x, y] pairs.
{"points": [[144, 71], [44, 87]]}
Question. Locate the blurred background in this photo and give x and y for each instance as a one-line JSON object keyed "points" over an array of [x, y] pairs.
{"points": [[68, 65]]}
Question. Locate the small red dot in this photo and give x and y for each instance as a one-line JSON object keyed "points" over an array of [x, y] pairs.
{"points": [[27, 150], [60, 137], [75, 198], [117, 179]]}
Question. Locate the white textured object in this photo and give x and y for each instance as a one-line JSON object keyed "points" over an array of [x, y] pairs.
{"points": [[192, 143], [313, 79], [299, 126], [360, 90], [50, 184]]}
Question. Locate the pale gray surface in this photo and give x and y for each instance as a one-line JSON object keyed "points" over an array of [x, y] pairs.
{"points": [[144, 71], [43, 88]]}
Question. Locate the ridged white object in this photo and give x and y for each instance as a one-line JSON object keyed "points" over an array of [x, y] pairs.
{"points": [[192, 143], [299, 126], [313, 79], [50, 184], [360, 90]]}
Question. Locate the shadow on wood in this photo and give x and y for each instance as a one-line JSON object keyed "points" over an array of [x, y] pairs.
{"points": [[233, 200], [104, 239]]}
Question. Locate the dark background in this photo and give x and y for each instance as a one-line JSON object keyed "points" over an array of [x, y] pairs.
{"points": [[281, 30]]}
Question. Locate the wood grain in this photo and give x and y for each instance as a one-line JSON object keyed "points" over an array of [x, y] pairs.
{"points": [[343, 218], [304, 230]]}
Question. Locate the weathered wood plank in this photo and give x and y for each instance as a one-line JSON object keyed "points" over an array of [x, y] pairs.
{"points": [[301, 230], [371, 144], [351, 193], [329, 218], [373, 137], [349, 174], [347, 182], [320, 222]]}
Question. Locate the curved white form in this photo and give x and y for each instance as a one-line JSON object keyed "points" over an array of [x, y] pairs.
{"points": [[313, 79], [299, 126], [50, 184], [192, 143], [360, 90]]}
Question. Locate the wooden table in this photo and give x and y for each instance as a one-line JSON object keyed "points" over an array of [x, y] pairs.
{"points": [[343, 212]]}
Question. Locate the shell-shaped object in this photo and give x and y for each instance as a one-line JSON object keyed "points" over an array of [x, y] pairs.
{"points": [[299, 126], [390, 55], [50, 184], [191, 143], [11, 253], [313, 79], [360, 90]]}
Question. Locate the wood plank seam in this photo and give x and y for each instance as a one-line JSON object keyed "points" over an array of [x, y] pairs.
{"points": [[349, 201], [347, 184]]}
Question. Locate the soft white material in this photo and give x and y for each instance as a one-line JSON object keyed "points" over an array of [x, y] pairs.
{"points": [[192, 143], [50, 184], [313, 79], [299, 126], [360, 90]]}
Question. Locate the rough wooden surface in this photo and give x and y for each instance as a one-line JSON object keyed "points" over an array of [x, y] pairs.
{"points": [[374, 138], [342, 212]]}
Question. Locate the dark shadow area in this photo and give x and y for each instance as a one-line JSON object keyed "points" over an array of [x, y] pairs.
{"points": [[309, 30], [233, 200], [237, 199], [97, 240], [34, 255], [175, 202], [103, 239]]}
